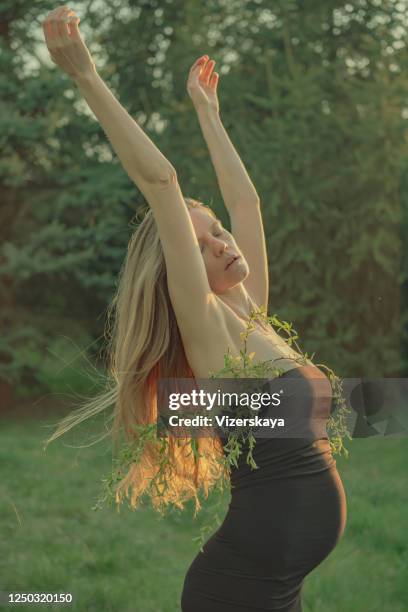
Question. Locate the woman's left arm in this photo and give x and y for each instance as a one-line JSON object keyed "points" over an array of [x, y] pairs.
{"points": [[235, 185], [239, 194]]}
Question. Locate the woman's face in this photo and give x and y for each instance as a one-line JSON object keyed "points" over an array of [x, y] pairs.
{"points": [[217, 247]]}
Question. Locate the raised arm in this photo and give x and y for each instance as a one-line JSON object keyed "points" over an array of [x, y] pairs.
{"points": [[196, 310], [239, 194], [235, 185], [141, 159]]}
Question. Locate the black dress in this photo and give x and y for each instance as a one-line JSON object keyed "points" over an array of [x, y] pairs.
{"points": [[283, 519]]}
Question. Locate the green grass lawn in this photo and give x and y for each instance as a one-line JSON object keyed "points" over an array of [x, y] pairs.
{"points": [[52, 541]]}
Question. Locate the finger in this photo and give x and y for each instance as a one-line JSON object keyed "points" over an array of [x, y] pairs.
{"points": [[48, 25], [73, 26], [201, 59], [199, 63], [199, 73], [193, 77], [53, 21], [214, 80], [51, 38], [63, 19], [206, 74]]}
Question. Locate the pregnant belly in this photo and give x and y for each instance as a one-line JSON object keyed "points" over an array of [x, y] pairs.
{"points": [[288, 524]]}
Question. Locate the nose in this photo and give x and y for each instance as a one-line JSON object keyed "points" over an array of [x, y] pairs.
{"points": [[221, 247]]}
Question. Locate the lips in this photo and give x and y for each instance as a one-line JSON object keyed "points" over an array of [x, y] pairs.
{"points": [[231, 260]]}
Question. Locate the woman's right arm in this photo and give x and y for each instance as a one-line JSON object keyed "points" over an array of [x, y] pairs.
{"points": [[141, 159], [196, 310]]}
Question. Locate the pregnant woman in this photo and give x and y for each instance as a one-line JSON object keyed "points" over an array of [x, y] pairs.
{"points": [[186, 291]]}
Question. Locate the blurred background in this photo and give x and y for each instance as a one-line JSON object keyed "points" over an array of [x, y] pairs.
{"points": [[314, 97]]}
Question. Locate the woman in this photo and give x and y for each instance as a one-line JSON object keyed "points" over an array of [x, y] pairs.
{"points": [[186, 290]]}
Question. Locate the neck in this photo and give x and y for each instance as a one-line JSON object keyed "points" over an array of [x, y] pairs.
{"points": [[237, 299]]}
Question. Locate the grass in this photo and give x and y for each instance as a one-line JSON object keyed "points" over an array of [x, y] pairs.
{"points": [[52, 541]]}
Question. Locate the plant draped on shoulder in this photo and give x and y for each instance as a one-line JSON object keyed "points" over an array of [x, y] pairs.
{"points": [[241, 366]]}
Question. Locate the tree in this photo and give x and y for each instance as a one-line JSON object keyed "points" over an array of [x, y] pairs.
{"points": [[313, 98]]}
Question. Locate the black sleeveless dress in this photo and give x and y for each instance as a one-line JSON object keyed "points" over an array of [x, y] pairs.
{"points": [[283, 519]]}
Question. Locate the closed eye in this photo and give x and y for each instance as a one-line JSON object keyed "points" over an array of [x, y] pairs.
{"points": [[216, 235]]}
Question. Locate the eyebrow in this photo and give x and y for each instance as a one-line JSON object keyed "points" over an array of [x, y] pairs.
{"points": [[213, 224]]}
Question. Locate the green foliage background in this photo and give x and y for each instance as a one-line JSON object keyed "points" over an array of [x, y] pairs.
{"points": [[313, 97]]}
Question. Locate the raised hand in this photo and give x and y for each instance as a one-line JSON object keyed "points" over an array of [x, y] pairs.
{"points": [[202, 84], [65, 44]]}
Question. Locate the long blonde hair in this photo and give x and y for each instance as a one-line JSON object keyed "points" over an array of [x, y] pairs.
{"points": [[144, 345]]}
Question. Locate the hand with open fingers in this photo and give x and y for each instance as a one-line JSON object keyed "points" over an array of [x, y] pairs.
{"points": [[202, 84], [65, 44]]}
